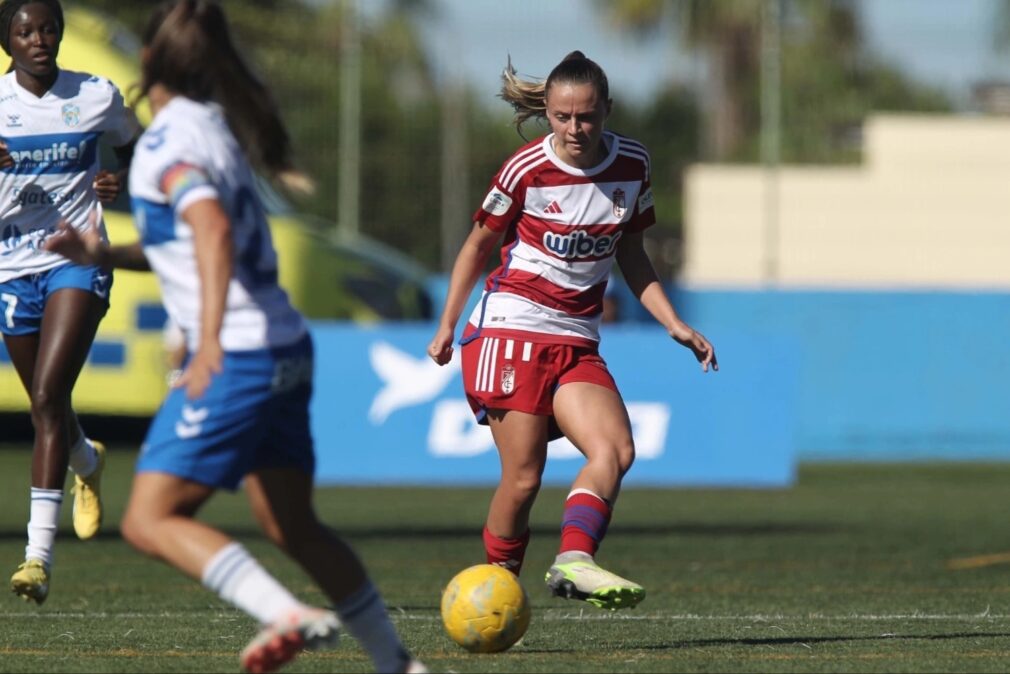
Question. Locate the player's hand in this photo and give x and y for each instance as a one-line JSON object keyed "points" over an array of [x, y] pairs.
{"points": [[700, 347], [108, 185], [6, 160], [440, 349], [206, 363], [84, 248]]}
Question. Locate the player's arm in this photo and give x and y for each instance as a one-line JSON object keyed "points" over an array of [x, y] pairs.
{"points": [[125, 130], [109, 184], [212, 243], [469, 264], [641, 277], [88, 248]]}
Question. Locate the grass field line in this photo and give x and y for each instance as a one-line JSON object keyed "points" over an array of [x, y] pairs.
{"points": [[556, 615]]}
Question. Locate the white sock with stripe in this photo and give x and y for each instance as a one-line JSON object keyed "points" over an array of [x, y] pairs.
{"points": [[43, 519], [239, 579], [364, 615]]}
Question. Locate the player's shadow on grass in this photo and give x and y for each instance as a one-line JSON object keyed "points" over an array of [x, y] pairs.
{"points": [[426, 532], [786, 641], [716, 530], [800, 641]]}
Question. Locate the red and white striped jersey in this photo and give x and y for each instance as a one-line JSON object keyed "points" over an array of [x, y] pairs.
{"points": [[562, 226]]}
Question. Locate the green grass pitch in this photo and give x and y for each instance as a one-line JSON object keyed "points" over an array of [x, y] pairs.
{"points": [[846, 572]]}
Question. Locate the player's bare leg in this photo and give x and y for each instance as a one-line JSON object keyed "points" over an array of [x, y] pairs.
{"points": [[521, 440], [595, 420], [281, 500], [159, 522], [48, 364]]}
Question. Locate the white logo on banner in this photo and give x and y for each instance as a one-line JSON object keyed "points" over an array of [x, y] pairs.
{"points": [[454, 432], [408, 381]]}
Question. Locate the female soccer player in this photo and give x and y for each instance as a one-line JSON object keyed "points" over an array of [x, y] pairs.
{"points": [[51, 121], [240, 409], [568, 204]]}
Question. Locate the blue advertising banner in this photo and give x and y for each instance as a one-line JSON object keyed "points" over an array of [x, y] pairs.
{"points": [[384, 413]]}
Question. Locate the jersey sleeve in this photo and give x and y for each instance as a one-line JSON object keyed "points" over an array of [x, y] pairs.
{"points": [[644, 215], [501, 206], [124, 126], [184, 183], [180, 175]]}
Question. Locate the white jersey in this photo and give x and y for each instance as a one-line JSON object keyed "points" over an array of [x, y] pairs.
{"points": [[189, 154], [53, 141]]}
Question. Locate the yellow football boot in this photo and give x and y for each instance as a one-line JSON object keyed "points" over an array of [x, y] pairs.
{"points": [[88, 498], [31, 581]]}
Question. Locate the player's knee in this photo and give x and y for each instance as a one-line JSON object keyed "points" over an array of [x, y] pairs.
{"points": [[615, 459], [624, 455], [48, 406], [137, 532], [523, 485]]}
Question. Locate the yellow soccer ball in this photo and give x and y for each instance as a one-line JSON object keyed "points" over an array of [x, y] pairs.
{"points": [[485, 609]]}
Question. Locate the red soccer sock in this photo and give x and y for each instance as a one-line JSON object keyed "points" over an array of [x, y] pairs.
{"points": [[584, 523], [506, 552]]}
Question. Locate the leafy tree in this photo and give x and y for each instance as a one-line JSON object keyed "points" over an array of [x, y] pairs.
{"points": [[829, 84]]}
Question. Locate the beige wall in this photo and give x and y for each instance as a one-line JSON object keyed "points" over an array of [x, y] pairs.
{"points": [[928, 207]]}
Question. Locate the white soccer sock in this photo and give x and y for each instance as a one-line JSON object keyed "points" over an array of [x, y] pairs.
{"points": [[364, 615], [82, 457], [239, 579], [44, 516]]}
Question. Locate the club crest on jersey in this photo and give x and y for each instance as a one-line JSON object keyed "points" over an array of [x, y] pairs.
{"points": [[71, 114], [508, 379], [619, 205]]}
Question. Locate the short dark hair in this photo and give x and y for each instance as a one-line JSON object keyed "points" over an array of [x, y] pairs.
{"points": [[10, 8]]}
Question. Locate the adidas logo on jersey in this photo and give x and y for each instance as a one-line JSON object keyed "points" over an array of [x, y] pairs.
{"points": [[553, 207], [580, 244]]}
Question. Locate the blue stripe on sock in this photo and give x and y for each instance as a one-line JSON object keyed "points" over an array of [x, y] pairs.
{"points": [[46, 497], [225, 567], [583, 514], [586, 519]]}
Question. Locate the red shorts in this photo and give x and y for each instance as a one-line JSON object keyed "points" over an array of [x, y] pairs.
{"points": [[514, 374]]}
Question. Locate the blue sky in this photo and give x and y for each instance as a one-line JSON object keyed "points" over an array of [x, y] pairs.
{"points": [[947, 43]]}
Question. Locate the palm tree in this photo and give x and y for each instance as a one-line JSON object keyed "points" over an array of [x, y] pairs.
{"points": [[728, 34], [1002, 24]]}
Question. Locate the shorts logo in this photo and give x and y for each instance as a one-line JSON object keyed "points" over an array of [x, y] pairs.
{"points": [[619, 205], [192, 422], [497, 202], [71, 114], [508, 379], [99, 285]]}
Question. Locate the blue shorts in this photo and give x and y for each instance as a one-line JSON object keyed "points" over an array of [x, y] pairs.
{"points": [[254, 415], [23, 299]]}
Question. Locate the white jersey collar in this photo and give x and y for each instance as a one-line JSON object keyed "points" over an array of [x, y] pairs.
{"points": [[610, 141]]}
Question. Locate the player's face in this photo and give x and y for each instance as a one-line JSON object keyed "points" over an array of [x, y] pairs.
{"points": [[35, 40], [576, 115]]}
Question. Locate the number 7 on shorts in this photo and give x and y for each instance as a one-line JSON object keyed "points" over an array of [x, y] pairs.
{"points": [[12, 302]]}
